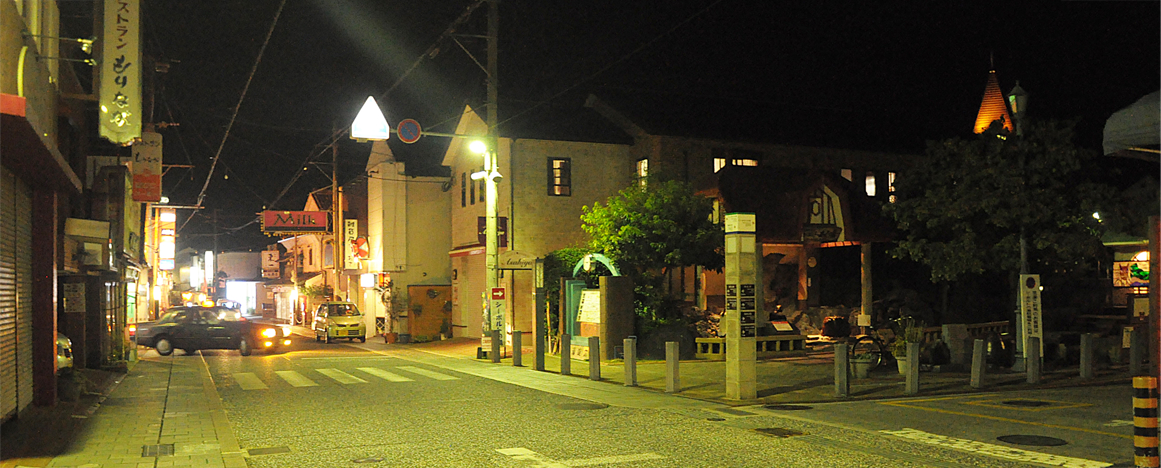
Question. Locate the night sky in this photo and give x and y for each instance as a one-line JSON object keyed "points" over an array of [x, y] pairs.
{"points": [[916, 67]]}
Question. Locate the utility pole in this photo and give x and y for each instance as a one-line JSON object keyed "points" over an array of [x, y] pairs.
{"points": [[491, 165], [336, 249]]}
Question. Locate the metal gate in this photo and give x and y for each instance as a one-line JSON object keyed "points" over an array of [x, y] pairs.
{"points": [[15, 295]]}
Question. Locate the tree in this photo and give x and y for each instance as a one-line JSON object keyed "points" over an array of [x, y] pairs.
{"points": [[650, 230], [964, 207]]}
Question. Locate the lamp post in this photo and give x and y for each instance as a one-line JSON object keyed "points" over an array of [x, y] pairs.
{"points": [[491, 175], [1018, 101]]}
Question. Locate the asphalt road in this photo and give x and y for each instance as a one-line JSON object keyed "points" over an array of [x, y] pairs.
{"points": [[339, 405]]}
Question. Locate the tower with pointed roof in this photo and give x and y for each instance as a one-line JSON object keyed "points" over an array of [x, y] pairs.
{"points": [[992, 108]]}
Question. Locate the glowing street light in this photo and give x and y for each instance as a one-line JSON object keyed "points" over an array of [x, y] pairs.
{"points": [[491, 176], [370, 124]]}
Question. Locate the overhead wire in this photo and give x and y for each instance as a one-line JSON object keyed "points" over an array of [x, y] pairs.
{"points": [[245, 89]]}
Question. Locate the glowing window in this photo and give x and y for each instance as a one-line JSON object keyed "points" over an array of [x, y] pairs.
{"points": [[559, 177], [870, 184]]}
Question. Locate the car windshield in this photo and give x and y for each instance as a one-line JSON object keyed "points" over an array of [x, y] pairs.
{"points": [[337, 310], [170, 316]]}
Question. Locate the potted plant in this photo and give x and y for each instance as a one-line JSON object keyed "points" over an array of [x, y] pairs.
{"points": [[908, 331], [862, 363]]}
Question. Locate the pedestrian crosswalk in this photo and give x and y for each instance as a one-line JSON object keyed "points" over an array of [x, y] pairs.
{"points": [[307, 378]]}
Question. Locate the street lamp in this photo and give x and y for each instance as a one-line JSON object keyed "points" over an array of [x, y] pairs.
{"points": [[491, 176], [1018, 101]]}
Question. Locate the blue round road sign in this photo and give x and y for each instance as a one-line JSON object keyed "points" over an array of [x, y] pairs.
{"points": [[408, 131]]}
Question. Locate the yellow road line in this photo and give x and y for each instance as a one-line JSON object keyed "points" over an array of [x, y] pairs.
{"points": [[998, 418]]}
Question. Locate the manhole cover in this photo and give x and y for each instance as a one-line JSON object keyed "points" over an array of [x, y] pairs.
{"points": [[368, 460], [156, 450], [1027, 403], [582, 406], [715, 419], [1039, 441], [779, 432], [268, 450], [787, 407]]}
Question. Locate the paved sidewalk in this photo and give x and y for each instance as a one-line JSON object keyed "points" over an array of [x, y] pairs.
{"points": [[791, 380], [162, 413]]}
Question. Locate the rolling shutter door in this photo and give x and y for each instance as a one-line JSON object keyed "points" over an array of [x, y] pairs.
{"points": [[15, 295]]}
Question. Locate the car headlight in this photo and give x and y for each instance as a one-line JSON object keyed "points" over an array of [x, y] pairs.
{"points": [[269, 333], [285, 331]]}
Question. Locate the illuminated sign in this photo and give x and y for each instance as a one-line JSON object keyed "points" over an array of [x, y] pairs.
{"points": [[120, 92], [274, 222], [147, 168]]}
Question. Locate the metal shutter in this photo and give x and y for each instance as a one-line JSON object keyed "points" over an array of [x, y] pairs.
{"points": [[15, 295]]}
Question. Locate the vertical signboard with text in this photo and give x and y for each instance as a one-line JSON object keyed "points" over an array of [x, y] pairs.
{"points": [[119, 96], [147, 168], [742, 299], [1030, 310]]}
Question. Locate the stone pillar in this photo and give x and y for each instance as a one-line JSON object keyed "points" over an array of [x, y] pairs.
{"points": [[565, 354], [672, 370], [743, 295]]}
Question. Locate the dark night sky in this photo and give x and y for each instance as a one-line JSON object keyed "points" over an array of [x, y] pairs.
{"points": [[918, 66]]}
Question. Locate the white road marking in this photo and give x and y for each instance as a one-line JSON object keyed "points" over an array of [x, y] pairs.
{"points": [[612, 459], [993, 450], [249, 381], [340, 376], [385, 375], [295, 379], [426, 373], [538, 460], [1119, 423]]}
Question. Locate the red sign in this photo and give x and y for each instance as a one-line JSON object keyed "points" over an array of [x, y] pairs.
{"points": [[359, 247], [408, 131], [497, 294], [294, 221]]}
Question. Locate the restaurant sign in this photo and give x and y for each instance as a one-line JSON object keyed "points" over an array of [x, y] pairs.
{"points": [[292, 222]]}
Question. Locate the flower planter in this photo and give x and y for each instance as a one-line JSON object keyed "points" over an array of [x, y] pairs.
{"points": [[861, 368], [901, 361], [390, 337]]}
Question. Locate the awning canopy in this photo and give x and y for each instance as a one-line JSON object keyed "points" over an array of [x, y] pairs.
{"points": [[1136, 127]]}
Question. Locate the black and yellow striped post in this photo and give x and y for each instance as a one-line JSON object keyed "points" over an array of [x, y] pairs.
{"points": [[1145, 421]]}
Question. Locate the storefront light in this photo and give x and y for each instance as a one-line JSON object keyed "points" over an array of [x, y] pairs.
{"points": [[367, 280], [1142, 256]]}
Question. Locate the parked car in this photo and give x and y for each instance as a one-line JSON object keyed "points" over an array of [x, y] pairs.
{"points": [[64, 353], [339, 320], [191, 328]]}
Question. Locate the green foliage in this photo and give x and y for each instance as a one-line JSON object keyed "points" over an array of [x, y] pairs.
{"points": [[316, 292], [559, 264], [661, 226], [962, 208], [649, 230], [907, 330]]}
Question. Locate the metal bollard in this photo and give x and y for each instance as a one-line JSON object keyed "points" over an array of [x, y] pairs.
{"points": [[979, 363], [565, 354], [594, 358], [1145, 422], [495, 353], [912, 386], [517, 352], [631, 361], [1032, 360], [672, 379], [1086, 355], [842, 371]]}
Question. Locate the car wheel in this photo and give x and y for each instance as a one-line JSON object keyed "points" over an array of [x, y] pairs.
{"points": [[164, 346], [244, 347], [363, 339], [190, 350], [329, 339]]}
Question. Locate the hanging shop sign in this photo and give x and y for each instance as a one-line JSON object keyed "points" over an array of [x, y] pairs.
{"points": [[147, 168], [119, 95], [292, 222]]}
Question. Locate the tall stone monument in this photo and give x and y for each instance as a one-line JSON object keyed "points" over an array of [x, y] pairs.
{"points": [[743, 297]]}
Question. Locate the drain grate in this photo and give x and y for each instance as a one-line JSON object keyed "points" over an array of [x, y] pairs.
{"points": [[1039, 441], [1027, 403], [779, 432], [582, 406], [158, 450], [715, 419], [268, 450], [787, 407]]}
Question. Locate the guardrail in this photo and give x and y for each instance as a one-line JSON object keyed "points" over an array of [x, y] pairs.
{"points": [[714, 349]]}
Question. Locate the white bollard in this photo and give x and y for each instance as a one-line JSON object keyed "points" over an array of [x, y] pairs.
{"points": [[631, 361], [565, 354], [672, 379]]}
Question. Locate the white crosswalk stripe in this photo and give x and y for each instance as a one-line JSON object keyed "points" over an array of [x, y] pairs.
{"points": [[385, 375], [296, 379], [426, 373], [340, 376], [249, 381]]}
